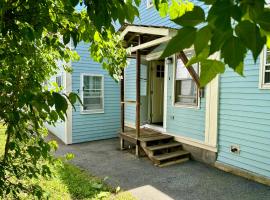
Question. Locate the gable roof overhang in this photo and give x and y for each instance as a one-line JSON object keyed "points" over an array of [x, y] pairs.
{"points": [[151, 37], [146, 38]]}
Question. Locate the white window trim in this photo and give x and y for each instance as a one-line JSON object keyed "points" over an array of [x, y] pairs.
{"points": [[148, 5], [198, 106], [81, 94], [262, 84]]}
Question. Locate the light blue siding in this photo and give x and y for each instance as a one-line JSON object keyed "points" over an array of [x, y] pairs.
{"points": [[88, 127], [130, 92], [150, 16], [244, 117], [188, 122]]}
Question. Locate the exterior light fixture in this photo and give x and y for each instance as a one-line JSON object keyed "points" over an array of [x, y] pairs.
{"points": [[169, 60]]}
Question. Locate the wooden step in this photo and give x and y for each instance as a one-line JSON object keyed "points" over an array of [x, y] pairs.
{"points": [[159, 137], [165, 164], [170, 155], [164, 146]]}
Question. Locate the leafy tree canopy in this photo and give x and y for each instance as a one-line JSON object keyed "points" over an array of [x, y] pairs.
{"points": [[230, 28], [34, 36]]}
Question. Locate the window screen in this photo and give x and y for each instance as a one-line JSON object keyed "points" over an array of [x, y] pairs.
{"points": [[92, 93], [185, 87]]}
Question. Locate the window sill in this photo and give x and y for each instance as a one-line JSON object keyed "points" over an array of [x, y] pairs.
{"points": [[264, 87], [89, 112], [188, 106]]}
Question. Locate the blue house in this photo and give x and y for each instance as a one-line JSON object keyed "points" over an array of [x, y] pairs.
{"points": [[99, 118], [225, 125]]}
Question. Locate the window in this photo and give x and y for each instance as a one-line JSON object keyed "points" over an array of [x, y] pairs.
{"points": [[265, 69], [185, 89], [149, 3], [160, 71], [92, 93], [58, 81]]}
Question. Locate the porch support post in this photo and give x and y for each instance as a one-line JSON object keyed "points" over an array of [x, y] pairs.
{"points": [[122, 99], [138, 92]]}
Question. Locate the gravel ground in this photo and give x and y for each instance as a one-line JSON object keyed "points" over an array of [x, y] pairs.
{"points": [[191, 180]]}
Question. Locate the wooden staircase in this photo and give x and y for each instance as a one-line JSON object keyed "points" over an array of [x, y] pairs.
{"points": [[163, 150]]}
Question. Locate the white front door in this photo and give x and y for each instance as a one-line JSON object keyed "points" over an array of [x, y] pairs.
{"points": [[157, 91]]}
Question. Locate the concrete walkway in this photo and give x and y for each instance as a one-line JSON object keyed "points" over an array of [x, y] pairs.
{"points": [[191, 180]]}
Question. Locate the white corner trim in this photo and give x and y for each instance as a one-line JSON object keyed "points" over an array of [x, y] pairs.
{"points": [[165, 100], [211, 112], [68, 123], [211, 109]]}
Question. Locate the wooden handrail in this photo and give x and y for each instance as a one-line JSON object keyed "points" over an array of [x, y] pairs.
{"points": [[128, 101]]}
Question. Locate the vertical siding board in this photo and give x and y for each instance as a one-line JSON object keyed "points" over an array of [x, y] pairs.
{"points": [[244, 120], [88, 127]]}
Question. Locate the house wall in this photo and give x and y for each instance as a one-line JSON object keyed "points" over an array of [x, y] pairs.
{"points": [[150, 16], [181, 121], [130, 92], [95, 126], [244, 116], [59, 129]]}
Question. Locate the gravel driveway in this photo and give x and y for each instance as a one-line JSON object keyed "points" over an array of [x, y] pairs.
{"points": [[191, 180]]}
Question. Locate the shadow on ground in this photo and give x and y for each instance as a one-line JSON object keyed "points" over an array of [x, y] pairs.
{"points": [[190, 180]]}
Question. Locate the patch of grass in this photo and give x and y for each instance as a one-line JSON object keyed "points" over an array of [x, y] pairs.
{"points": [[70, 182], [2, 139]]}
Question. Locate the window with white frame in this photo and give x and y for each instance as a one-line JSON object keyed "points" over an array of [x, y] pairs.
{"points": [[92, 93], [265, 69], [149, 3], [185, 88], [58, 80]]}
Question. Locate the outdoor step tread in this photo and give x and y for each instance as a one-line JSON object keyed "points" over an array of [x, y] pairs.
{"points": [[170, 155], [163, 146], [165, 164], [159, 137]]}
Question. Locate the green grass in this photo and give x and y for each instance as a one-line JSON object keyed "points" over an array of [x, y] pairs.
{"points": [[70, 182]]}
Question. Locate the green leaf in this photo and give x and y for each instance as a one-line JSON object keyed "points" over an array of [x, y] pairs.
{"points": [[163, 9], [198, 58], [60, 102], [191, 18], [74, 2], [72, 98], [218, 39], [251, 37], [66, 38], [264, 20], [209, 70], [202, 38], [240, 69], [233, 51], [184, 39], [236, 13], [268, 41]]}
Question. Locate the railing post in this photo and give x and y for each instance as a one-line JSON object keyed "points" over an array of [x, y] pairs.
{"points": [[138, 94], [122, 101]]}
